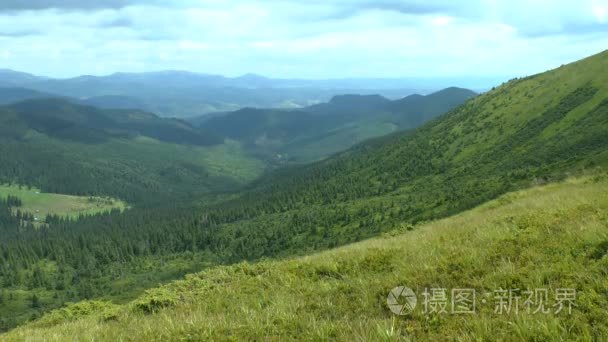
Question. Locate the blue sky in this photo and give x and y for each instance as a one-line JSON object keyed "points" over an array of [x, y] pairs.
{"points": [[302, 39]]}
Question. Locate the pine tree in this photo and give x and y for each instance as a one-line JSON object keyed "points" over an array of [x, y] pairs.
{"points": [[35, 301]]}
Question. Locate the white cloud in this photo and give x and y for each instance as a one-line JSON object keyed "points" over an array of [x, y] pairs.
{"points": [[190, 45], [600, 12], [442, 20], [313, 39]]}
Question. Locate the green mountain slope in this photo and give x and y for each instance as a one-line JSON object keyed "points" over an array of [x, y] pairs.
{"points": [[12, 95], [526, 132], [115, 102], [546, 238], [420, 109], [526, 129], [318, 131], [62, 119]]}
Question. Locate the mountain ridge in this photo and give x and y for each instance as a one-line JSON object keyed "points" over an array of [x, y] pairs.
{"points": [[320, 130], [189, 94], [45, 115]]}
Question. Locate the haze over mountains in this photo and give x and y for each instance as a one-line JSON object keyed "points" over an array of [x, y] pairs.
{"points": [[186, 94]]}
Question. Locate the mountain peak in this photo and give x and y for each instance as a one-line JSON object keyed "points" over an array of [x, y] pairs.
{"points": [[357, 98], [252, 76]]}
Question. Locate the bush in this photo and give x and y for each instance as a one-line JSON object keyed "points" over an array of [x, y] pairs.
{"points": [[77, 311], [156, 300]]}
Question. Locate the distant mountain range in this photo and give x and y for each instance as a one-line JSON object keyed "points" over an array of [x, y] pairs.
{"points": [[275, 135], [320, 130], [62, 119], [11, 95], [10, 78], [186, 94]]}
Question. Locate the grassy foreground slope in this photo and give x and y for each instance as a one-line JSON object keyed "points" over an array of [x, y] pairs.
{"points": [[547, 237]]}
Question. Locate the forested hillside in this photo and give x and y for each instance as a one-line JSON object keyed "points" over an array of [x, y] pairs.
{"points": [[318, 131], [62, 147], [64, 120], [528, 131], [12, 95]]}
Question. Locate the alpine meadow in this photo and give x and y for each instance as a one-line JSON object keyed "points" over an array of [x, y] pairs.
{"points": [[406, 171]]}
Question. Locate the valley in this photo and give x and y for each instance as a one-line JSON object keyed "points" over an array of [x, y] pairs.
{"points": [[92, 171]]}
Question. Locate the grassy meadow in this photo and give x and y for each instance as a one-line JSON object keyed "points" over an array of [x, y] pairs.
{"points": [[42, 204], [547, 237]]}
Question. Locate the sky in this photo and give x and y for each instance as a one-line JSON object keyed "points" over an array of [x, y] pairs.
{"points": [[312, 39]]}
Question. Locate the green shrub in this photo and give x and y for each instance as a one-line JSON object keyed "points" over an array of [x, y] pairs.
{"points": [[77, 311], [600, 250], [155, 300]]}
